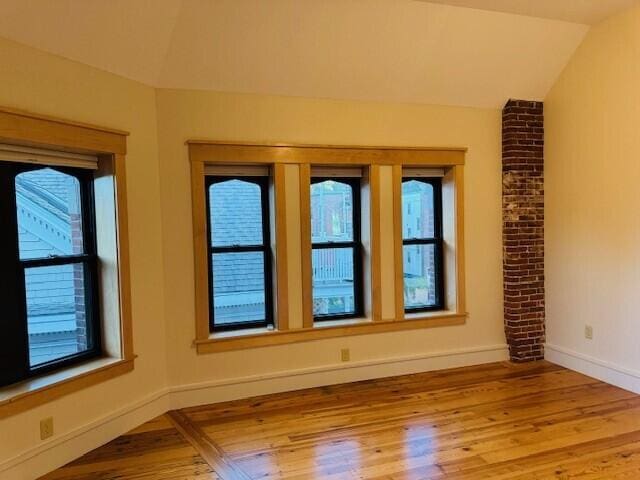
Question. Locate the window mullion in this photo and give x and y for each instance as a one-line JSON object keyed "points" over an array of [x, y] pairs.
{"points": [[55, 261], [421, 241], [238, 249], [329, 245]]}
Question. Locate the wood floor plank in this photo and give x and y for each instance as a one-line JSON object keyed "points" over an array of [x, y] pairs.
{"points": [[157, 451], [214, 456], [499, 421]]}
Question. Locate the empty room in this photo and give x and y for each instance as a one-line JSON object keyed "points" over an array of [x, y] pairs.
{"points": [[319, 239]]}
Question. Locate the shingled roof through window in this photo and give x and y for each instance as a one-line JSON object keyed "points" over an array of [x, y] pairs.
{"points": [[236, 219]]}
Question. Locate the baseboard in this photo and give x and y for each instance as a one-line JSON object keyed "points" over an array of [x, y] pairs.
{"points": [[61, 450], [219, 391], [593, 367]]}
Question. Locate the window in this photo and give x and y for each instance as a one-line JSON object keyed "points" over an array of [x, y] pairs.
{"points": [[422, 247], [48, 265], [239, 252], [336, 248], [346, 201], [64, 259]]}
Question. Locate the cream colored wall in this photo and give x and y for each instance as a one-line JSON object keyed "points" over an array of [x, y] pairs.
{"points": [[198, 114], [592, 229], [46, 84], [593, 198], [162, 254]]}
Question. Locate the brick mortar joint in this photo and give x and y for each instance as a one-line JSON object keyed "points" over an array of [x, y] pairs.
{"points": [[523, 228]]}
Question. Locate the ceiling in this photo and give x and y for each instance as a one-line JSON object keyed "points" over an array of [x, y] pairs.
{"points": [[588, 12], [380, 50]]}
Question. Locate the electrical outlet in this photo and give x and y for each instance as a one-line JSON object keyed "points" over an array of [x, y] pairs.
{"points": [[46, 428], [588, 332], [345, 354]]}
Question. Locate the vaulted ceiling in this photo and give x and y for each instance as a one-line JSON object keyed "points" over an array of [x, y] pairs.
{"points": [[588, 12], [454, 52]]}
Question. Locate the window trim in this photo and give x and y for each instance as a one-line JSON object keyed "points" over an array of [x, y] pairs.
{"points": [[437, 241], [32, 130], [355, 244], [265, 248], [372, 159]]}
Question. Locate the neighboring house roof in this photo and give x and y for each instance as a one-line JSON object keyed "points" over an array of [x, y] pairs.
{"points": [[236, 214], [48, 189], [44, 228], [236, 219]]}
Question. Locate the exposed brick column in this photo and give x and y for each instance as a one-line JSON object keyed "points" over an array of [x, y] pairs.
{"points": [[523, 228]]}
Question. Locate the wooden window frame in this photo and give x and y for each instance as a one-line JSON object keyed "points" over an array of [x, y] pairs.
{"points": [[109, 145], [277, 156]]}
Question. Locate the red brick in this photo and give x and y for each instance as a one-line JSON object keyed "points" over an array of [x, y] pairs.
{"points": [[523, 228]]}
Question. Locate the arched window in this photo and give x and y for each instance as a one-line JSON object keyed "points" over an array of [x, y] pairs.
{"points": [[48, 215], [422, 244], [336, 248], [239, 252]]}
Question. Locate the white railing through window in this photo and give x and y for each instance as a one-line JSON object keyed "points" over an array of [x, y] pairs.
{"points": [[331, 265]]}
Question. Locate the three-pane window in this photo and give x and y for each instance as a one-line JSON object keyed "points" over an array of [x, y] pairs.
{"points": [[336, 248], [239, 252], [48, 269], [422, 244], [240, 248]]}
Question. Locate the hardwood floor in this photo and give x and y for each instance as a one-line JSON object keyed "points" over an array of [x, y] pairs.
{"points": [[498, 421]]}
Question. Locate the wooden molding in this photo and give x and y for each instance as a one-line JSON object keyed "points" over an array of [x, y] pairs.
{"points": [[41, 131], [200, 250], [38, 391], [397, 243], [305, 245], [25, 128], [282, 265], [461, 297], [376, 273], [124, 264], [205, 152], [247, 153], [276, 337]]}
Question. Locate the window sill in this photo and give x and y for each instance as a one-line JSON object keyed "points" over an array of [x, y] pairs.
{"points": [[431, 314], [341, 322], [46, 388], [240, 333], [256, 338]]}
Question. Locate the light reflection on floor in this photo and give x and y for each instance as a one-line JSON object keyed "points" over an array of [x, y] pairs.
{"points": [[420, 442], [328, 453]]}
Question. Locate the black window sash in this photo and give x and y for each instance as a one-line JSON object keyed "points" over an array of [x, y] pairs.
{"points": [[264, 248], [14, 341], [436, 241], [355, 245]]}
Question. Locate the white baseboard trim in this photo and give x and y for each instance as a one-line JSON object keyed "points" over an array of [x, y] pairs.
{"points": [[50, 455], [593, 367], [233, 389], [61, 450]]}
